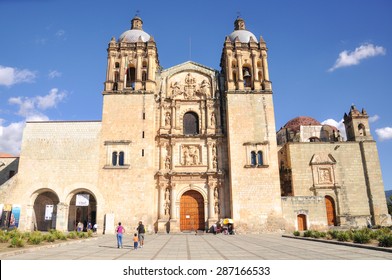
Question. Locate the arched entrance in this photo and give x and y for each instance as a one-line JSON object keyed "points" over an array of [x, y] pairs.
{"points": [[45, 211], [192, 211], [301, 220], [330, 206], [82, 208]]}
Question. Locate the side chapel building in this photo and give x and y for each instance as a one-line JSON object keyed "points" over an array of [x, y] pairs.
{"points": [[184, 147]]}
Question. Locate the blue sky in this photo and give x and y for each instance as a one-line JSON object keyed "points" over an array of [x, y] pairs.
{"points": [[324, 56]]}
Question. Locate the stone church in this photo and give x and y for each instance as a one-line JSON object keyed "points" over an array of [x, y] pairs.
{"points": [[184, 147]]}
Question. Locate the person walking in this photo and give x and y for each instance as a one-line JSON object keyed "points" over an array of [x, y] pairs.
{"points": [[141, 231], [135, 241], [120, 230]]}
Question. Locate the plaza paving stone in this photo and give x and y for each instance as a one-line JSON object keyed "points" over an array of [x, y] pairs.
{"points": [[199, 247]]}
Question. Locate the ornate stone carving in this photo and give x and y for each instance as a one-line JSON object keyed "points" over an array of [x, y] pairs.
{"points": [[190, 88], [167, 162], [191, 155], [167, 202], [167, 119], [324, 176], [216, 200], [213, 119]]}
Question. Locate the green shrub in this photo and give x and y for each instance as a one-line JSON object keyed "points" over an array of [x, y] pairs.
{"points": [[15, 233], [315, 234], [333, 233], [50, 237], [17, 241], [343, 236], [72, 235], [385, 241], [308, 233], [35, 238], [58, 234], [296, 233], [82, 234], [4, 237], [361, 236], [89, 233]]}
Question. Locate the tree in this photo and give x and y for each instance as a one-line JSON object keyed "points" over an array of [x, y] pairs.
{"points": [[389, 204]]}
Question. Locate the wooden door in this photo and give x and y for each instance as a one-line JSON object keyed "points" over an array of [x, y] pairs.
{"points": [[301, 219], [192, 211], [330, 205]]}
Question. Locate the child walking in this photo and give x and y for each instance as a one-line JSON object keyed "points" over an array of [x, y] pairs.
{"points": [[135, 241]]}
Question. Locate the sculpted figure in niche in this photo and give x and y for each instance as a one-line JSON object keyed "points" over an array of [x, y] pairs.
{"points": [[214, 162], [167, 162], [167, 119], [167, 202], [213, 119], [216, 208], [213, 149]]}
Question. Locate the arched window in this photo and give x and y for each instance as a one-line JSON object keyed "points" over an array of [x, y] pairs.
{"points": [[117, 65], [361, 130], [144, 78], [131, 77], [247, 77], [253, 158], [260, 158], [121, 159], [114, 158], [191, 123]]}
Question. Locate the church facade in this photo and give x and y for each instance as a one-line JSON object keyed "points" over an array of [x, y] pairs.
{"points": [[185, 147]]}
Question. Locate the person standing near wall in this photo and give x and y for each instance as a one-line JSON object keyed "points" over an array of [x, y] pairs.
{"points": [[120, 230]]}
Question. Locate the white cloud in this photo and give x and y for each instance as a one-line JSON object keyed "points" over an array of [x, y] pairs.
{"points": [[60, 33], [54, 74], [347, 58], [374, 118], [384, 133], [10, 76], [51, 100], [11, 137], [29, 107], [339, 125]]}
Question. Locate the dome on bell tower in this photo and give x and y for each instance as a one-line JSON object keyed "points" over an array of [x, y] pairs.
{"points": [[241, 33], [136, 32]]}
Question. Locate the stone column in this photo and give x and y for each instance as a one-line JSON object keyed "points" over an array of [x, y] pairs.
{"points": [[240, 77], [265, 66], [229, 66], [62, 217], [211, 215], [174, 222], [162, 187], [209, 155], [123, 73]]}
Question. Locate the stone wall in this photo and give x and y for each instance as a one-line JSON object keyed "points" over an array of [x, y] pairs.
{"points": [[313, 207]]}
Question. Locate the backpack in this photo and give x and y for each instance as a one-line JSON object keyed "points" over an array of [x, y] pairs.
{"points": [[141, 229]]}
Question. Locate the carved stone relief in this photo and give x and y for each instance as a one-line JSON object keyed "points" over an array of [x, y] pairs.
{"points": [[190, 87], [190, 155]]}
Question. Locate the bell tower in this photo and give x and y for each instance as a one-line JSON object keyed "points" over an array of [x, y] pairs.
{"points": [[132, 61], [357, 125], [244, 60], [128, 124], [251, 134]]}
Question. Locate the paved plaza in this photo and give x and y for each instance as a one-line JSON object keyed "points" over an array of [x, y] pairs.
{"points": [[198, 247]]}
